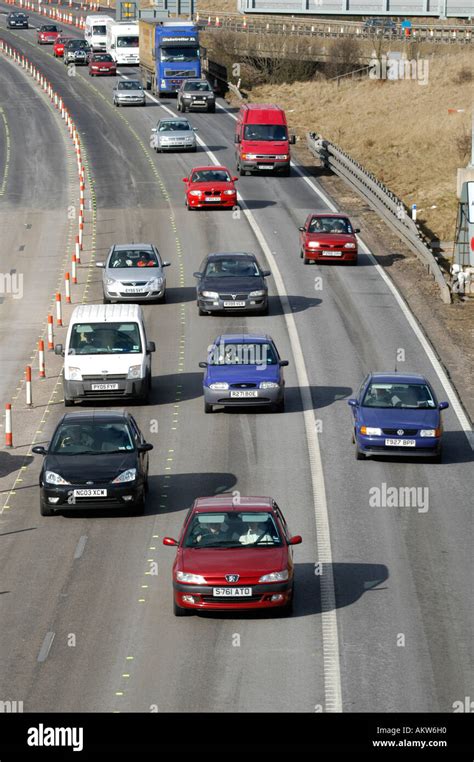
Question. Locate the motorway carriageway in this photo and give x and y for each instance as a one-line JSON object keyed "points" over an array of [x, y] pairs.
{"points": [[388, 626]]}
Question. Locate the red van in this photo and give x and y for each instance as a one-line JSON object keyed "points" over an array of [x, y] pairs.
{"points": [[261, 139]]}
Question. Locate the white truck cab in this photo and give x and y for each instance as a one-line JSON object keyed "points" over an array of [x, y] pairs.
{"points": [[95, 31], [107, 354], [122, 41]]}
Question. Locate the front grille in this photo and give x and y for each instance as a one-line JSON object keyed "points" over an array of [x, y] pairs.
{"points": [[105, 379], [212, 193], [267, 157], [179, 73], [243, 401], [246, 599], [230, 297], [132, 284], [109, 393], [243, 386], [406, 432]]}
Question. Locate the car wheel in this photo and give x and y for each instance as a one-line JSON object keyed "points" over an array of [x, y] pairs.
{"points": [[358, 454], [117, 104], [211, 110], [208, 408], [438, 458], [280, 406], [68, 403], [179, 611], [139, 508], [105, 300], [264, 311], [305, 260], [301, 253], [45, 510], [286, 172], [201, 312]]}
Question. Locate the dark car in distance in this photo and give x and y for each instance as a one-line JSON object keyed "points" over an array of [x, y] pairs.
{"points": [[231, 282], [94, 460], [17, 20]]}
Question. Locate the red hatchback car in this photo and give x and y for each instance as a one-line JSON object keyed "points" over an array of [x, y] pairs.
{"points": [[101, 63], [233, 555], [210, 186], [328, 238], [58, 47], [47, 34]]}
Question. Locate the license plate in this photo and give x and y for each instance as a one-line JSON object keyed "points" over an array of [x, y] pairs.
{"points": [[232, 592], [136, 290], [265, 166], [104, 387], [234, 304], [104, 68], [244, 394], [214, 199], [199, 103], [400, 443], [90, 493], [331, 253]]}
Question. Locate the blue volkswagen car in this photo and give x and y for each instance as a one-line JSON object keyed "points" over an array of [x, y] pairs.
{"points": [[243, 369], [397, 414]]}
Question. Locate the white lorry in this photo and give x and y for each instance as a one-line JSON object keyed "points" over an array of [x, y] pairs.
{"points": [[95, 32], [122, 41]]}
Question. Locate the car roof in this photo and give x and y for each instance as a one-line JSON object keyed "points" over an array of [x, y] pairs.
{"points": [[209, 167], [395, 377], [221, 255], [243, 338], [131, 246], [329, 214], [227, 502], [80, 416], [106, 313]]}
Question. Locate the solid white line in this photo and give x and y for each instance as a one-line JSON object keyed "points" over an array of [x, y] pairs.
{"points": [[46, 647], [80, 546]]}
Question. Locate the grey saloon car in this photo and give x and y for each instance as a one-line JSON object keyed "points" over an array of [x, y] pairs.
{"points": [[133, 272], [196, 94], [129, 92], [172, 135]]}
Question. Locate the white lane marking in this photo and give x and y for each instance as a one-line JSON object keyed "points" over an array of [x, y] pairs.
{"points": [[80, 546], [46, 647], [331, 663], [452, 395]]}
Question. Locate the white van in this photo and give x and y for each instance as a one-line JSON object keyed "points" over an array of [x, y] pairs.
{"points": [[95, 32], [107, 354], [122, 41]]}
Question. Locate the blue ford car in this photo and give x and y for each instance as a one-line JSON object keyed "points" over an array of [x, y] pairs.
{"points": [[397, 414], [243, 369]]}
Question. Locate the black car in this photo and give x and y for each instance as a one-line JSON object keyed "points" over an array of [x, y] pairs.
{"points": [[232, 282], [381, 27], [76, 51], [94, 460], [17, 20]]}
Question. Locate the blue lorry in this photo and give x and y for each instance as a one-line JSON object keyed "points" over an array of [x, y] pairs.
{"points": [[169, 54]]}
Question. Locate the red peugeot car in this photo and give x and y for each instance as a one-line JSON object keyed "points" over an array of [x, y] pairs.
{"points": [[47, 34], [328, 238], [101, 63], [233, 554], [210, 186], [58, 47]]}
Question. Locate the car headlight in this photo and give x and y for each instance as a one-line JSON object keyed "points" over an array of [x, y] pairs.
{"points": [[269, 385], [219, 386], [190, 579], [187, 95], [155, 283], [75, 374], [210, 295], [195, 193], [430, 433], [126, 476], [134, 371], [254, 294], [229, 192], [350, 246], [370, 431], [249, 156], [314, 245], [279, 576], [110, 282], [51, 477], [283, 157]]}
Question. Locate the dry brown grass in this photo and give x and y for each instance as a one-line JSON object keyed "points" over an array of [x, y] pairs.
{"points": [[401, 131]]}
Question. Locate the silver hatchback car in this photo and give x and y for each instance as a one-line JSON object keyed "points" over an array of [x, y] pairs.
{"points": [[129, 92], [133, 272], [173, 134]]}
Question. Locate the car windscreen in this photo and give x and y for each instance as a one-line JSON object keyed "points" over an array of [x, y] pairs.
{"points": [[232, 529], [231, 353], [397, 395], [105, 339], [173, 126], [91, 438], [77, 45], [210, 176], [179, 55], [197, 87], [133, 258], [99, 29], [265, 132], [232, 268], [330, 225], [102, 58], [49, 28], [127, 41], [131, 84]]}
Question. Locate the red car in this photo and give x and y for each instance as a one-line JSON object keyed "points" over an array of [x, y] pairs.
{"points": [[328, 238], [101, 63], [210, 186], [233, 555], [58, 47], [47, 34]]}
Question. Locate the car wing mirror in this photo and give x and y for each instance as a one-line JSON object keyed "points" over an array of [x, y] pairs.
{"points": [[352, 402], [166, 264], [292, 139], [203, 364], [169, 541], [301, 228], [185, 179], [39, 450], [151, 347], [266, 273], [145, 447], [197, 275], [296, 540], [443, 405], [356, 230], [100, 264], [59, 350], [283, 363]]}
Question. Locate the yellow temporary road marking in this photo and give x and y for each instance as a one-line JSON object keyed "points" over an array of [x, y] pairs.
{"points": [[6, 168]]}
